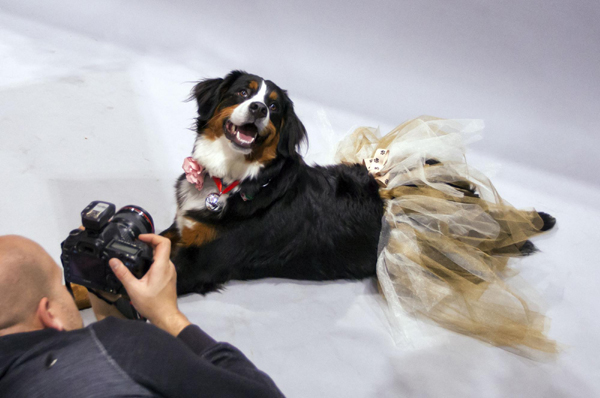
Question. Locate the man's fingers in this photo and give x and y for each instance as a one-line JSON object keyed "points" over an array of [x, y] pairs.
{"points": [[162, 245], [154, 239], [122, 273]]}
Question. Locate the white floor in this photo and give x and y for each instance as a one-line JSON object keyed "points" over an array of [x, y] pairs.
{"points": [[84, 116]]}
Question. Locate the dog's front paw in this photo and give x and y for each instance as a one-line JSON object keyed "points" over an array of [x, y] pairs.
{"points": [[184, 287]]}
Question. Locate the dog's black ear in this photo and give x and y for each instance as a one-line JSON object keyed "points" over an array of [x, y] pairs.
{"points": [[206, 94], [292, 134]]}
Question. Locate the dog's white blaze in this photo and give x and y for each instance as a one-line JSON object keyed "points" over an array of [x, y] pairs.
{"points": [[241, 115], [262, 93]]}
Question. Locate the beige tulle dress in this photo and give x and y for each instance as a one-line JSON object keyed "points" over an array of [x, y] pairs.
{"points": [[447, 235]]}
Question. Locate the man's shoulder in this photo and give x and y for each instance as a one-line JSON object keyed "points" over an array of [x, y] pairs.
{"points": [[79, 361], [18, 344], [116, 334], [112, 323]]}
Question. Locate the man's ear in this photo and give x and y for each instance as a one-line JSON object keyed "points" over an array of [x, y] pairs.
{"points": [[47, 317]]}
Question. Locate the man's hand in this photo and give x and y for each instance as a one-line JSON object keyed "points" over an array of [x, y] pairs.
{"points": [[155, 295]]}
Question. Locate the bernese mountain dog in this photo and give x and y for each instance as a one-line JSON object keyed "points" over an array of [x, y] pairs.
{"points": [[249, 207]]}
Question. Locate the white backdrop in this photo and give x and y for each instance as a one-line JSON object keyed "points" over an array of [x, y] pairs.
{"points": [[91, 107]]}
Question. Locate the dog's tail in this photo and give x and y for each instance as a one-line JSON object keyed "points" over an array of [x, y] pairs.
{"points": [[447, 234]]}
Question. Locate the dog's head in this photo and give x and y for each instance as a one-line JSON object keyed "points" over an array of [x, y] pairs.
{"points": [[255, 115]]}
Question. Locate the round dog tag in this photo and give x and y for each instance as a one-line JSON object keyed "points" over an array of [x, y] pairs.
{"points": [[212, 202]]}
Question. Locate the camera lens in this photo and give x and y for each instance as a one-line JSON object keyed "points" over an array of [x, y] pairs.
{"points": [[138, 219]]}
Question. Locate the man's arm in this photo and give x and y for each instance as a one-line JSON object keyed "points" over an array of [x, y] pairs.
{"points": [[154, 296], [172, 368], [224, 355], [196, 359]]}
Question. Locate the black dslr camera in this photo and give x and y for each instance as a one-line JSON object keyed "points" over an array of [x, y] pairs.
{"points": [[85, 253]]}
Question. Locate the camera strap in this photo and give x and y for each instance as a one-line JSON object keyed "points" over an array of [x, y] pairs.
{"points": [[128, 310], [123, 305]]}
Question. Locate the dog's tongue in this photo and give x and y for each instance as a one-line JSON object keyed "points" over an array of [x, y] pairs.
{"points": [[247, 132]]}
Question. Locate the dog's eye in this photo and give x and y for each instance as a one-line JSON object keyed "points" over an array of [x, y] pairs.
{"points": [[243, 93], [273, 107]]}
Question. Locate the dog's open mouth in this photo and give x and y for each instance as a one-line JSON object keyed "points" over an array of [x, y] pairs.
{"points": [[242, 136]]}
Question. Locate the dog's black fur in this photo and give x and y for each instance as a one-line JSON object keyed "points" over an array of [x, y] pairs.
{"points": [[310, 223], [313, 223]]}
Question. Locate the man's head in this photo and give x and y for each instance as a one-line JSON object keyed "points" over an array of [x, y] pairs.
{"points": [[32, 295]]}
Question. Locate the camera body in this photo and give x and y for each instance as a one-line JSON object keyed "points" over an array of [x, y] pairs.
{"points": [[85, 253]]}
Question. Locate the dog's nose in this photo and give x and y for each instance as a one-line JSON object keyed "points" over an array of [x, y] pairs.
{"points": [[258, 109]]}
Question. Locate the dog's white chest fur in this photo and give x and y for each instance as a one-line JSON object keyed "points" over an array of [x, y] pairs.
{"points": [[220, 160]]}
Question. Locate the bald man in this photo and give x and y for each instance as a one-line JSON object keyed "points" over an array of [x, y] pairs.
{"points": [[46, 352], [32, 296]]}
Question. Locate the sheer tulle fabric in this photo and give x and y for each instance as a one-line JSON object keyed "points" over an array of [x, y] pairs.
{"points": [[447, 235]]}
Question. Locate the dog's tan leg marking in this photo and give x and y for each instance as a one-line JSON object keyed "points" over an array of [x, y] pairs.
{"points": [[198, 234], [175, 238]]}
